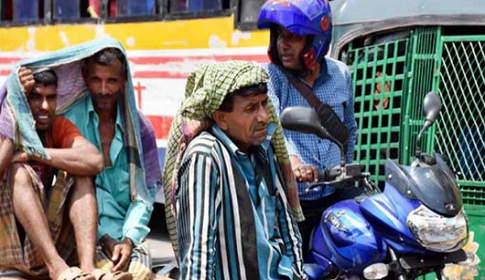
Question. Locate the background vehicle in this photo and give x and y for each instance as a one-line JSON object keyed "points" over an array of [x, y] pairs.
{"points": [[416, 225], [399, 50]]}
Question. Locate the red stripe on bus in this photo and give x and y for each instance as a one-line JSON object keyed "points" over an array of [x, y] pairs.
{"points": [[9, 60], [137, 75], [181, 59], [161, 125], [159, 75], [5, 72]]}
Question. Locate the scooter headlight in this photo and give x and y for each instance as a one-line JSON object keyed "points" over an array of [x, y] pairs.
{"points": [[438, 233]]}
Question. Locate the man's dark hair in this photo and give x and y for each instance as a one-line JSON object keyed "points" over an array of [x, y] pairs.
{"points": [[46, 78], [107, 57], [228, 103]]}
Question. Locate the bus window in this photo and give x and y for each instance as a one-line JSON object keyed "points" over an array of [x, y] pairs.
{"points": [[66, 9], [6, 10], [94, 8], [203, 5], [247, 14], [178, 6], [26, 10], [135, 7]]}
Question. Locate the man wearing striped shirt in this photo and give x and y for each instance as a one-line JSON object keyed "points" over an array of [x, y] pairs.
{"points": [[233, 218]]}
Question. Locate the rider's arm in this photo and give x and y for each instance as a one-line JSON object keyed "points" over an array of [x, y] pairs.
{"points": [[76, 155], [197, 212], [291, 146]]}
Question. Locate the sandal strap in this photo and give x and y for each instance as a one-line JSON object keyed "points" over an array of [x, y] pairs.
{"points": [[73, 273]]}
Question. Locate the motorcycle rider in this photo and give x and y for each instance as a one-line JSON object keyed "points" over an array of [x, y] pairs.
{"points": [[300, 35]]}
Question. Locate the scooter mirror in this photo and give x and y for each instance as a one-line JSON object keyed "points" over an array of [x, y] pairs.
{"points": [[304, 120], [432, 106]]}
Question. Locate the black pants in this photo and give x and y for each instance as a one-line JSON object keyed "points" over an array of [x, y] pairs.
{"points": [[313, 210]]}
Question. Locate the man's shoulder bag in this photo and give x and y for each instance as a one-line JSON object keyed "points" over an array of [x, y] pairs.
{"points": [[328, 118]]}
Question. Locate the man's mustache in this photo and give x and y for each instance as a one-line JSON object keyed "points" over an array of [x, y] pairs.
{"points": [[261, 126], [101, 96]]}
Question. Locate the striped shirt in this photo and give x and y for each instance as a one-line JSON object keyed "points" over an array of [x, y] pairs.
{"points": [[233, 219], [334, 87]]}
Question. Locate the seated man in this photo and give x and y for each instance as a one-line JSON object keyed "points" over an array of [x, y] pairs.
{"points": [[233, 218], [122, 218], [42, 201]]}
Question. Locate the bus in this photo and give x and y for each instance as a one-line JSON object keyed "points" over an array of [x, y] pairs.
{"points": [[164, 41]]}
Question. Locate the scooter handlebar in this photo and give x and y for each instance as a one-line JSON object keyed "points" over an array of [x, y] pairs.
{"points": [[327, 175], [339, 177]]}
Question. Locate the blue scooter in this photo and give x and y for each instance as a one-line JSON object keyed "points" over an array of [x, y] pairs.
{"points": [[414, 227]]}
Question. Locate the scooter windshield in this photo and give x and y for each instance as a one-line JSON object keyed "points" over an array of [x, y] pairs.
{"points": [[433, 185]]}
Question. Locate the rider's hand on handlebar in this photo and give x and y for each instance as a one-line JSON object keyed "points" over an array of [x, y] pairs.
{"points": [[304, 172]]}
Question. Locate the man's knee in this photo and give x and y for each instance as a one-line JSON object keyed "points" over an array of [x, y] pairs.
{"points": [[19, 176], [84, 182], [82, 192], [6, 153], [84, 186]]}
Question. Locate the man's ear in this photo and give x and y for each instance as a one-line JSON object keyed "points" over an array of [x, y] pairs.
{"points": [[220, 119]]}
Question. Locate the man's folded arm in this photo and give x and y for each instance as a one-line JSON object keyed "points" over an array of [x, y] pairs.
{"points": [[73, 153], [82, 159]]}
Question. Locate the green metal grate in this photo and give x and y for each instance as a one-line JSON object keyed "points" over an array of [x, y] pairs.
{"points": [[421, 72], [460, 132], [390, 82], [379, 83]]}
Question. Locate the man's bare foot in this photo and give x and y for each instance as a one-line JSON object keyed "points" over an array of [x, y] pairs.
{"points": [[160, 277], [57, 269], [100, 274], [74, 273]]}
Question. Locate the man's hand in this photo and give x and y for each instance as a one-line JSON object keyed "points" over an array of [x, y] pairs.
{"points": [[118, 252], [122, 255], [20, 157], [107, 243], [303, 172], [26, 78]]}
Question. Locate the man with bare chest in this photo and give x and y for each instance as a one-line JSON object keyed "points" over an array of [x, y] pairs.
{"points": [[122, 220]]}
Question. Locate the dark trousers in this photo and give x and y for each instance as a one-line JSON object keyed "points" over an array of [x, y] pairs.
{"points": [[313, 210]]}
